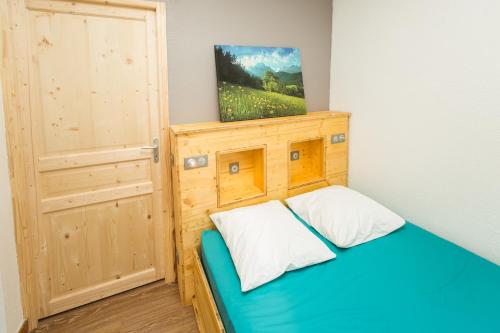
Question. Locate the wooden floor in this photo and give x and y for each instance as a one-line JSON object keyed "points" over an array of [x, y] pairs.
{"points": [[153, 308]]}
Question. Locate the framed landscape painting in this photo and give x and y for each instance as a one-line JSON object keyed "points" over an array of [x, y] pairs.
{"points": [[259, 82]]}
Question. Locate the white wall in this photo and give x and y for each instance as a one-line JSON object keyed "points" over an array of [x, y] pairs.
{"points": [[422, 80], [3, 321], [11, 314]]}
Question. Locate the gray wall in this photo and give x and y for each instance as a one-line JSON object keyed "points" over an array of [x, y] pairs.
{"points": [[194, 26]]}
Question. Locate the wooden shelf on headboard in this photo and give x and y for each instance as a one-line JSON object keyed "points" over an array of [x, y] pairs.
{"points": [[262, 148], [309, 167], [250, 180], [217, 125]]}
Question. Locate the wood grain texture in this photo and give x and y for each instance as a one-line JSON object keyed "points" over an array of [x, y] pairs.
{"points": [[15, 83], [84, 88], [120, 3], [103, 241], [217, 125], [205, 309], [196, 191], [155, 307], [89, 7], [310, 167]]}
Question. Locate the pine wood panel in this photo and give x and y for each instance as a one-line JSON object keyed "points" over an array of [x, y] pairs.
{"points": [[86, 88], [82, 108], [15, 85], [205, 309], [310, 167], [87, 250], [77, 107], [81, 159], [96, 196], [251, 179], [92, 178], [196, 191]]}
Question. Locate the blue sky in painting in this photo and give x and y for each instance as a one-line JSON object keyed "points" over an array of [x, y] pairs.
{"points": [[284, 59]]}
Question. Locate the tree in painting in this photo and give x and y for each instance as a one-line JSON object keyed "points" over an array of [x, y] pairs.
{"points": [[259, 82]]}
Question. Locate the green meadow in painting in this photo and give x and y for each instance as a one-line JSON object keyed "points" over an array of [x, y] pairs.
{"points": [[259, 82]]}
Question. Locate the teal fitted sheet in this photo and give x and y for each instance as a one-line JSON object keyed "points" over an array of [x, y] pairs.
{"points": [[408, 281]]}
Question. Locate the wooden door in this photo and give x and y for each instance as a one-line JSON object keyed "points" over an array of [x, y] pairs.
{"points": [[96, 83]]}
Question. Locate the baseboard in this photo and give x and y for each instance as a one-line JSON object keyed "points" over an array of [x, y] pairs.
{"points": [[24, 327]]}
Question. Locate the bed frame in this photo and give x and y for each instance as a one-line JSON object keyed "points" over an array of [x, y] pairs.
{"points": [[205, 308], [219, 166]]}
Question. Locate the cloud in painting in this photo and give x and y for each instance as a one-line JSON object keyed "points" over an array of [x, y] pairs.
{"points": [[258, 82], [255, 59]]}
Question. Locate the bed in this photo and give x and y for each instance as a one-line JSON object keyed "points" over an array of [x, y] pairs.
{"points": [[408, 281]]}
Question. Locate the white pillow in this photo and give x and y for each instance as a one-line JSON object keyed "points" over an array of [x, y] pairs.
{"points": [[343, 216], [266, 240]]}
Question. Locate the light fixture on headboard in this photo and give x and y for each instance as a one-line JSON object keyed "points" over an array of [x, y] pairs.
{"points": [[194, 162]]}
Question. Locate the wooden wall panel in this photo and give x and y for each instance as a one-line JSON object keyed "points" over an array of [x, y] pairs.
{"points": [[121, 229], [110, 49], [15, 84], [196, 190]]}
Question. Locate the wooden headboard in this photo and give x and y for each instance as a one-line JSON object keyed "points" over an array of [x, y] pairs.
{"points": [[226, 165]]}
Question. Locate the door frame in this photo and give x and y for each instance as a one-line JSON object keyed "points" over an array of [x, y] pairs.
{"points": [[14, 73]]}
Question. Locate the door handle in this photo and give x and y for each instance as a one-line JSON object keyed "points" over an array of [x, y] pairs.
{"points": [[155, 148]]}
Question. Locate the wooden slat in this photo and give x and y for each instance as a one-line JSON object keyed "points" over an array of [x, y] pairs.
{"points": [[91, 158], [85, 7], [64, 182], [306, 188], [218, 126], [108, 288], [205, 309], [15, 82], [92, 197], [139, 4]]}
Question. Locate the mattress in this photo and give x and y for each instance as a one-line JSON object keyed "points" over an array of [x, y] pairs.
{"points": [[408, 281]]}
